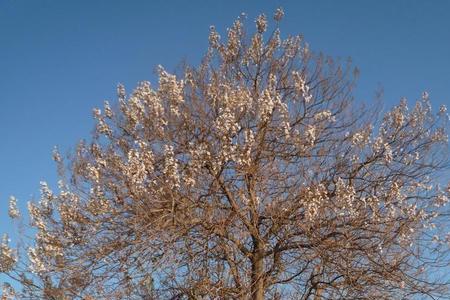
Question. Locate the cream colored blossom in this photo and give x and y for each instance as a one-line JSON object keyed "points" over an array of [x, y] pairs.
{"points": [[261, 23], [234, 42], [226, 124], [56, 155], [171, 167], [441, 200], [249, 140], [13, 211], [97, 113], [8, 292], [214, 38], [256, 49], [266, 105], [37, 266], [172, 89], [345, 196], [137, 166], [8, 257], [103, 128], [93, 172], [98, 203], [301, 87], [361, 138], [388, 154], [311, 135], [279, 13], [381, 147], [398, 117], [46, 192], [324, 115], [315, 198], [440, 135], [108, 111]]}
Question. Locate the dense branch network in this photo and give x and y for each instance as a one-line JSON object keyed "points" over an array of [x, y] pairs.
{"points": [[251, 176]]}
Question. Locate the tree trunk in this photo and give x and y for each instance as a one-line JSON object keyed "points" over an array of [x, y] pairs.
{"points": [[257, 288]]}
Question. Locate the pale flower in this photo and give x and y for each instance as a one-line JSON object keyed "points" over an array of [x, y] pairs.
{"points": [[311, 134], [388, 155], [324, 115], [172, 89], [8, 292], [301, 87], [97, 113], [13, 211], [8, 257], [108, 110], [266, 105], [440, 135], [279, 13], [56, 155], [261, 23], [361, 138], [214, 38], [37, 266], [171, 167]]}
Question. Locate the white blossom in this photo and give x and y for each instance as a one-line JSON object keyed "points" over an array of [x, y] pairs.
{"points": [[361, 138], [214, 38], [97, 113], [441, 200], [171, 88], [37, 266], [108, 110], [103, 128], [8, 257], [440, 135], [36, 216], [171, 167], [261, 23], [93, 172], [324, 115], [345, 196], [315, 197], [311, 135], [388, 154], [8, 292], [56, 155], [279, 13], [13, 211], [301, 87], [266, 105], [226, 124]]}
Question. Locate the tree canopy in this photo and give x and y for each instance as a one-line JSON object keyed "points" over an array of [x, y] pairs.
{"points": [[254, 175]]}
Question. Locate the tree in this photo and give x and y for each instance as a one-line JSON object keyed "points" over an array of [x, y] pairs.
{"points": [[254, 176]]}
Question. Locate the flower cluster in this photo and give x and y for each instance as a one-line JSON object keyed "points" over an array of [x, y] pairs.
{"points": [[301, 88], [13, 211], [8, 257]]}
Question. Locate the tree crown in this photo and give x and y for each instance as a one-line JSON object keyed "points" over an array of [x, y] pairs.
{"points": [[252, 175]]}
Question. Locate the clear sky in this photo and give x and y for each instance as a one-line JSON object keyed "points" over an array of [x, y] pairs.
{"points": [[59, 59]]}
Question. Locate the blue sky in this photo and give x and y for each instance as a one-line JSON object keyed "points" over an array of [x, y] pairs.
{"points": [[59, 59]]}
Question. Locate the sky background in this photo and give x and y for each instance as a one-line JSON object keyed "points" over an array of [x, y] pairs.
{"points": [[59, 59]]}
